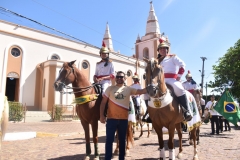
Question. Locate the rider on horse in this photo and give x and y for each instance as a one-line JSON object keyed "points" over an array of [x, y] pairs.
{"points": [[136, 98], [173, 68], [190, 85], [104, 69]]}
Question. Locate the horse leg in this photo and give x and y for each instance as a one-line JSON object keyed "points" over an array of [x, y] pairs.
{"points": [[148, 130], [198, 134], [159, 132], [193, 136], [171, 130], [129, 138], [141, 132], [190, 138], [87, 139], [179, 131], [95, 139]]}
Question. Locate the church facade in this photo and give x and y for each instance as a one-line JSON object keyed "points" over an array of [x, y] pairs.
{"points": [[30, 61]]}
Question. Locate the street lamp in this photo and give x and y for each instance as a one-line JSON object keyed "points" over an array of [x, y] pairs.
{"points": [[203, 59]]}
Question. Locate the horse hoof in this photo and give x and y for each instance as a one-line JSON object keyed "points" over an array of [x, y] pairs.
{"points": [[87, 158], [96, 158], [127, 153], [195, 158], [190, 142], [179, 156], [116, 152], [198, 142]]}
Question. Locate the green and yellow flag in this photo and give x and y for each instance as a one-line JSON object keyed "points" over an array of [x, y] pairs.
{"points": [[228, 108]]}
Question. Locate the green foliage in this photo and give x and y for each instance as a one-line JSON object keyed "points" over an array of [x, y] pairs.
{"points": [[227, 71], [16, 111], [60, 113], [57, 113]]}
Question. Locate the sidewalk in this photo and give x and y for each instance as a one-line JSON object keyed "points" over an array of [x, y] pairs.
{"points": [[28, 130]]}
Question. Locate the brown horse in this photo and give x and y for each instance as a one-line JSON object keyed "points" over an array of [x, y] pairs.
{"points": [[89, 112], [164, 110]]}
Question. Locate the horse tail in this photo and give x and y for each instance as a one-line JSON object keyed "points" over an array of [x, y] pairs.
{"points": [[130, 133]]}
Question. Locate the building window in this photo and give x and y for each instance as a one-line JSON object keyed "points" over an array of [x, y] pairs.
{"points": [[84, 65], [145, 53], [15, 52], [129, 73], [55, 56]]}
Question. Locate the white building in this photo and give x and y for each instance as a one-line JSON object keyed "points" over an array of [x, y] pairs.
{"points": [[30, 61]]}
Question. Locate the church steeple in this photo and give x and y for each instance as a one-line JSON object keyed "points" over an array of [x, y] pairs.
{"points": [[152, 22], [108, 39]]}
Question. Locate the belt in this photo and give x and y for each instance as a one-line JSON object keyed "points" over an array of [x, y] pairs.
{"points": [[170, 75]]}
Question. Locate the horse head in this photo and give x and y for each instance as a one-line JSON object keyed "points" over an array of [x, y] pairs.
{"points": [[66, 76], [154, 78]]}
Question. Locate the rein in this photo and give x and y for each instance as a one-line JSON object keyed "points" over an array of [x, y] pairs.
{"points": [[83, 89], [158, 83]]}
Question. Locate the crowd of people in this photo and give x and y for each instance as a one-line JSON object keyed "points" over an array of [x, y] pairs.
{"points": [[117, 97]]}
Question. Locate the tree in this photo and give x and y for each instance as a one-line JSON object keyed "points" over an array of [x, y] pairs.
{"points": [[226, 72]]}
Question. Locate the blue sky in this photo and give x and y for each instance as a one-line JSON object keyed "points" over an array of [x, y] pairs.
{"points": [[196, 28]]}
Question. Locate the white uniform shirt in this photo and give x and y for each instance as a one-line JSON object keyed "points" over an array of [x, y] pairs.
{"points": [[210, 105], [171, 64], [102, 70], [189, 86]]}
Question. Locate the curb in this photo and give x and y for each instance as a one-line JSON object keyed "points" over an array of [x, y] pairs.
{"points": [[29, 135]]}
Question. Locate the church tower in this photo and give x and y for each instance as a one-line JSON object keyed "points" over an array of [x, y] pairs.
{"points": [[146, 46], [108, 38]]}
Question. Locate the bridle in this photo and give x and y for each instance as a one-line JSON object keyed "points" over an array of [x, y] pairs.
{"points": [[157, 85], [63, 85]]}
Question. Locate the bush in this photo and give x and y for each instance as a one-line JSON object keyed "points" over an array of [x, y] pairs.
{"points": [[56, 113], [16, 111]]}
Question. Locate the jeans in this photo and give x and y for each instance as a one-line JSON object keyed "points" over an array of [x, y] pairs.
{"points": [[112, 126]]}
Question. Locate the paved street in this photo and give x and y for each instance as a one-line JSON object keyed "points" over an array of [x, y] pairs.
{"points": [[69, 143]]}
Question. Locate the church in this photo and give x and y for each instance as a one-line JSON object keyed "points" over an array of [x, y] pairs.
{"points": [[30, 61]]}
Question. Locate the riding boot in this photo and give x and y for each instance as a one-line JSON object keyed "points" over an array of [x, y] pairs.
{"points": [[183, 102]]}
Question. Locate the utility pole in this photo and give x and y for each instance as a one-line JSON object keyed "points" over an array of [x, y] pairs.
{"points": [[206, 91], [203, 59]]}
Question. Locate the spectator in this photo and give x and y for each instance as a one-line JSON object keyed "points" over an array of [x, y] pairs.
{"points": [[118, 98], [214, 115]]}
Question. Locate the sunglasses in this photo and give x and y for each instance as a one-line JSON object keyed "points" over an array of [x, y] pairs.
{"points": [[119, 77]]}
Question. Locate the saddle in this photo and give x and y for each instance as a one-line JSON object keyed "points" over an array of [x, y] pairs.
{"points": [[97, 88]]}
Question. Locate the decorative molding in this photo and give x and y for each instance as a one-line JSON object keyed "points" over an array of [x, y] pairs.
{"points": [[13, 75]]}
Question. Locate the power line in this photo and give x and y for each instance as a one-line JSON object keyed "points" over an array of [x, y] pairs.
{"points": [[88, 44], [78, 22]]}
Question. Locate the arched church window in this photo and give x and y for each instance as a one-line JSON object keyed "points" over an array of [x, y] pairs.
{"points": [[85, 65], [146, 53], [55, 56], [129, 73], [15, 52]]}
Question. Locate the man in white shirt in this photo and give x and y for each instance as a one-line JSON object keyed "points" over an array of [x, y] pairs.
{"points": [[214, 115]]}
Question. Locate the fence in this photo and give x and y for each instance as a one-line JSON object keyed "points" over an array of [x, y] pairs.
{"points": [[62, 112]]}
